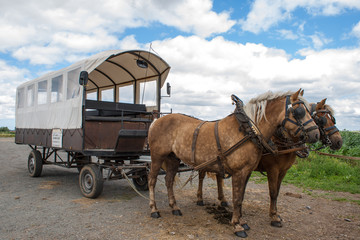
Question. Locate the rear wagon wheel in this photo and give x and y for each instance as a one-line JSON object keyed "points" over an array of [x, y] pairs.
{"points": [[141, 183], [91, 181], [35, 163]]}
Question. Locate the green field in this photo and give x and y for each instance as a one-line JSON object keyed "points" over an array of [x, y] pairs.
{"points": [[5, 132]]}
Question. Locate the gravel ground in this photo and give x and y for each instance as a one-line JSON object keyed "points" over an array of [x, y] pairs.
{"points": [[52, 207]]}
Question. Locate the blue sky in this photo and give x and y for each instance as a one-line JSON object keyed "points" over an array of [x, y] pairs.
{"points": [[215, 48]]}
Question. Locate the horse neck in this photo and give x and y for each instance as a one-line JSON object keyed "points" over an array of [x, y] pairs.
{"points": [[275, 114]]}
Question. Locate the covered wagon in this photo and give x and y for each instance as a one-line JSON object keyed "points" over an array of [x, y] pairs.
{"points": [[96, 113]]}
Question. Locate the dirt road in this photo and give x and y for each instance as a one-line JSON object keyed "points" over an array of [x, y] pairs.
{"points": [[52, 207]]}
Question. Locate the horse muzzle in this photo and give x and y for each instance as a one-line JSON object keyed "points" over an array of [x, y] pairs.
{"points": [[311, 134]]}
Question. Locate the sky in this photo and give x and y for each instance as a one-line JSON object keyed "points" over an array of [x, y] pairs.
{"points": [[215, 48]]}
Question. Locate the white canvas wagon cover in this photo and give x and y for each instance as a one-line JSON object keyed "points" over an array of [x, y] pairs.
{"points": [[55, 99]]}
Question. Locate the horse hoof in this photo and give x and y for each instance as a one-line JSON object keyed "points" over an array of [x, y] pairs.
{"points": [[224, 204], [200, 203], [176, 212], [276, 224], [246, 227], [241, 234], [155, 214]]}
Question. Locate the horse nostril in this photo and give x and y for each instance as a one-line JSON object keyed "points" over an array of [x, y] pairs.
{"points": [[317, 136]]}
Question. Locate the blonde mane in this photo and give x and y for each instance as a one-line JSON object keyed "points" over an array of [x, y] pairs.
{"points": [[256, 107], [327, 107]]}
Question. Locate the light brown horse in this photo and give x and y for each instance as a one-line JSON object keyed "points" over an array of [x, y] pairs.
{"points": [[171, 140], [277, 166]]}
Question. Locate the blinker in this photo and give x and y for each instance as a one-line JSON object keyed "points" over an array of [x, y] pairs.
{"points": [[322, 121], [299, 113]]}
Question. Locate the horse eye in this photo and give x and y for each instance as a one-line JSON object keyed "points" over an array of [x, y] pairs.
{"points": [[299, 113]]}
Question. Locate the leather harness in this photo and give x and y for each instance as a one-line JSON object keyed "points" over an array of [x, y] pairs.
{"points": [[249, 128], [246, 126]]}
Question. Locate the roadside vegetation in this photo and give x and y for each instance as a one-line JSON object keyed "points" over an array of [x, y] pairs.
{"points": [[324, 172], [5, 132]]}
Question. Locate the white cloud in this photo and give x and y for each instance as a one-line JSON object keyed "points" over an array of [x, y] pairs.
{"points": [[288, 34], [12, 36], [205, 73], [75, 42], [93, 25], [265, 14], [356, 30], [196, 17], [10, 78], [40, 55], [319, 40], [129, 42]]}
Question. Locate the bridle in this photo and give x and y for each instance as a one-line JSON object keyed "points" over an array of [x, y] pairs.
{"points": [[325, 133], [298, 113]]}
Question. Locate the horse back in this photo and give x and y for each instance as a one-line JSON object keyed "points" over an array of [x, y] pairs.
{"points": [[172, 131]]}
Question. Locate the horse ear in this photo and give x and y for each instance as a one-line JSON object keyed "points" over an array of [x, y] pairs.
{"points": [[295, 95], [302, 92], [320, 104]]}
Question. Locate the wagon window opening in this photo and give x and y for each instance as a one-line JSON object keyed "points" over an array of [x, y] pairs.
{"points": [[126, 94], [21, 98], [148, 93], [107, 95], [57, 89], [73, 87], [91, 95], [30, 95], [42, 92]]}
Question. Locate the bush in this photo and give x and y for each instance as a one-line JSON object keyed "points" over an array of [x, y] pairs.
{"points": [[4, 130], [350, 147]]}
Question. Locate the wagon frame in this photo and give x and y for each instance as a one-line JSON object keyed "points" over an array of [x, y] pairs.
{"points": [[98, 108]]}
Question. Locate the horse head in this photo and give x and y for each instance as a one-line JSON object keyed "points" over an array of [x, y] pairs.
{"points": [[323, 115], [298, 122]]}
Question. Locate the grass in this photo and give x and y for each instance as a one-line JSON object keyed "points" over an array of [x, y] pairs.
{"points": [[326, 173], [7, 134]]}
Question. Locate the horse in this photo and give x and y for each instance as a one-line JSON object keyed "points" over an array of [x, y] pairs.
{"points": [[172, 139], [276, 166]]}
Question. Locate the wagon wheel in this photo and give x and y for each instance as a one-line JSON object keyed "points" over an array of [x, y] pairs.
{"points": [[141, 182], [91, 181], [35, 163]]}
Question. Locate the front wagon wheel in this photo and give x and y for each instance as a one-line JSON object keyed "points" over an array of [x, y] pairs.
{"points": [[35, 163], [91, 181]]}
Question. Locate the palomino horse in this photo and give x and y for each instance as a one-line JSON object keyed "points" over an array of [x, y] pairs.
{"points": [[277, 166], [171, 140]]}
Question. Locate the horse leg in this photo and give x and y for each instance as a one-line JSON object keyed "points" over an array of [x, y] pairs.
{"points": [[200, 201], [275, 178], [239, 181], [156, 163], [220, 184], [172, 165]]}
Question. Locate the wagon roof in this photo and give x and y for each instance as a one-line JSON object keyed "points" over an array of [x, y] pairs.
{"points": [[115, 67]]}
